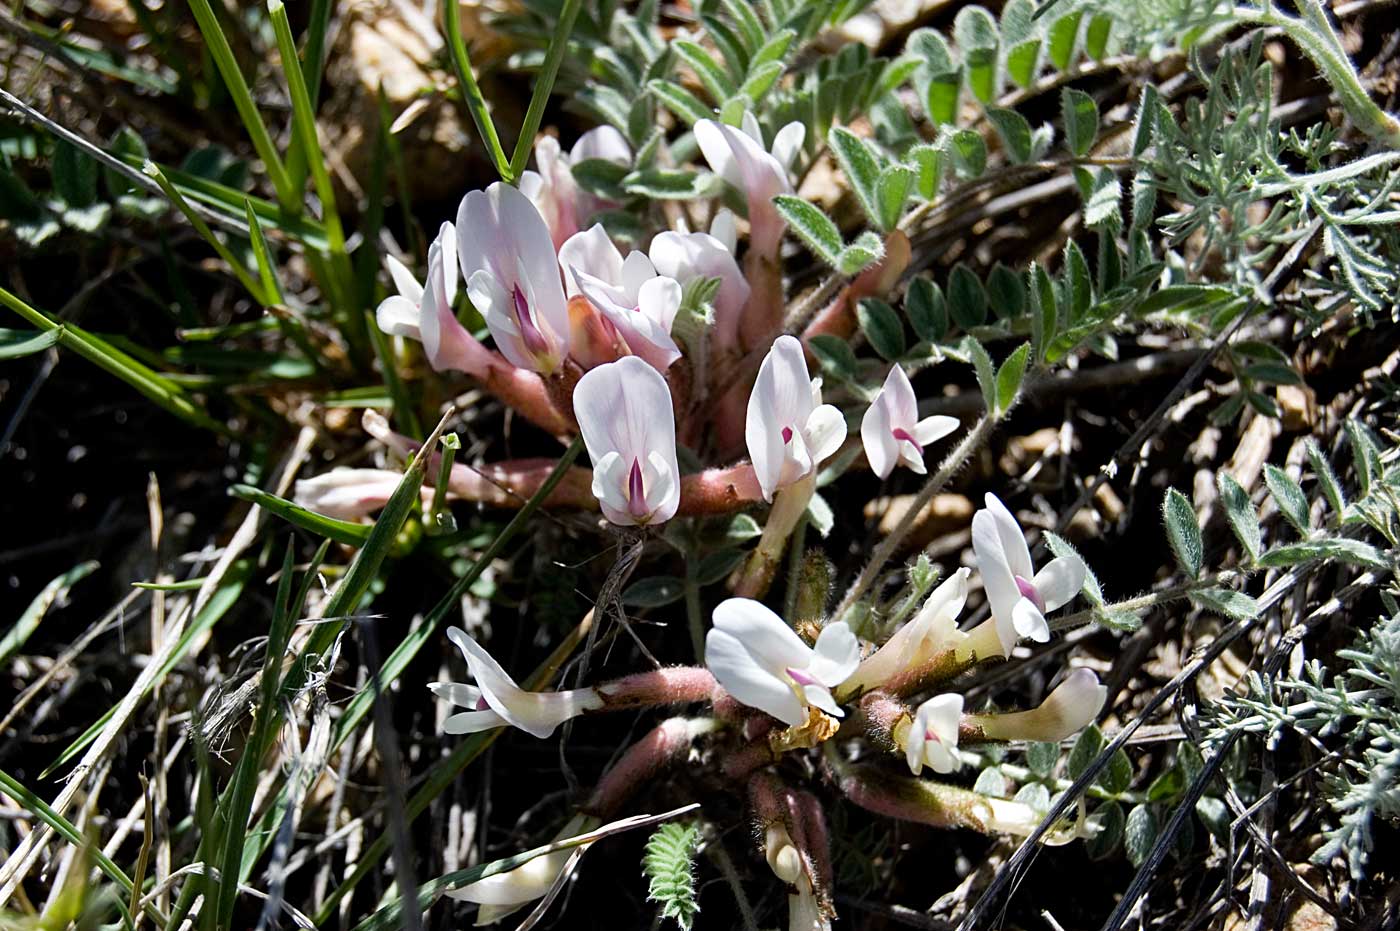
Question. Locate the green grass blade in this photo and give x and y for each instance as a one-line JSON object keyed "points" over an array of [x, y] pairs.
{"points": [[471, 93], [65, 829], [257, 289], [16, 344], [287, 195], [28, 622], [267, 270], [341, 531], [544, 84], [107, 357], [238, 798]]}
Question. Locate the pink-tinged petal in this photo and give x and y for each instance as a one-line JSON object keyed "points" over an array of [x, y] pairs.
{"points": [[1013, 540], [750, 684], [876, 435], [780, 400], [765, 635], [624, 407], [938, 719], [347, 494], [1060, 580], [610, 476], [404, 282], [824, 432], [636, 271], [932, 429], [933, 630], [591, 251], [899, 396], [835, 655], [398, 316]]}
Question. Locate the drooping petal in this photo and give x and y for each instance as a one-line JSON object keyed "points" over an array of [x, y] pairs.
{"points": [[737, 672], [504, 892], [473, 722], [346, 494], [835, 655], [398, 316], [819, 697], [458, 693], [1060, 580], [1074, 704], [536, 713], [1028, 622]]}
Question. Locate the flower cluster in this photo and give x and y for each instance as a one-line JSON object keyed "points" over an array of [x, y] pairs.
{"points": [[643, 353]]}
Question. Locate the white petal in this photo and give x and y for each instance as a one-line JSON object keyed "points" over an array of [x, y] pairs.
{"points": [[724, 229], [781, 398], [714, 145], [664, 493], [877, 436], [536, 713], [788, 142], [914, 748], [473, 722], [1073, 704], [609, 487], [748, 124], [458, 693], [835, 655], [404, 281], [1060, 580], [1028, 622], [737, 672], [1003, 594], [625, 407], [347, 494], [591, 251], [604, 142], [1013, 540], [819, 696], [398, 316], [825, 431], [765, 635], [932, 429]]}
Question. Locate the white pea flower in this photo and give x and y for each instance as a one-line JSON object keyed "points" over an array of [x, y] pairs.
{"points": [[496, 701], [1067, 710], [423, 312], [933, 630], [503, 893], [347, 494], [1019, 596], [624, 413], [789, 431], [688, 256], [512, 276], [892, 432], [762, 662], [640, 304], [552, 188], [738, 156], [933, 737]]}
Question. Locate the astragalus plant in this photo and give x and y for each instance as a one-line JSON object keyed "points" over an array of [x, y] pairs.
{"points": [[813, 416]]}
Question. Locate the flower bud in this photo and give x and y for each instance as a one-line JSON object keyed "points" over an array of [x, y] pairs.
{"points": [[1074, 703]]}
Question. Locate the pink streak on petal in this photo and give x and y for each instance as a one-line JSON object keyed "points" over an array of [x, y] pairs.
{"points": [[534, 340], [1028, 590], [787, 435], [800, 677], [636, 494], [904, 435]]}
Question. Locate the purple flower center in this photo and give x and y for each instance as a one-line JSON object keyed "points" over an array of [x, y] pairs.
{"points": [[1028, 590], [482, 704], [787, 435], [636, 492], [800, 676], [530, 334], [904, 436]]}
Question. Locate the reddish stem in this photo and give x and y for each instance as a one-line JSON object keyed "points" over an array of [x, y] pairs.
{"points": [[839, 317]]}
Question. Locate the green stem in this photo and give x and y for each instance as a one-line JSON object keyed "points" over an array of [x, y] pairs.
{"points": [[287, 194], [1313, 34], [471, 93], [544, 83]]}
